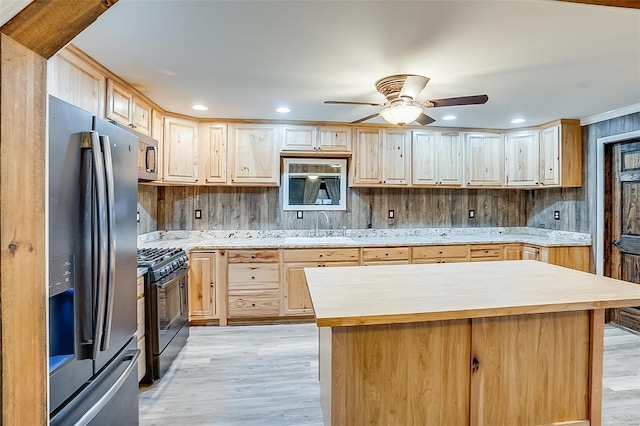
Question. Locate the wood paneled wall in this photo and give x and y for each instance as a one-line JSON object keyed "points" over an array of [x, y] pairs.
{"points": [[260, 208], [147, 208]]}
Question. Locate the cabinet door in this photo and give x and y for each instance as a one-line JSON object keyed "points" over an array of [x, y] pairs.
{"points": [[298, 138], [180, 152], [213, 153], [484, 160], [512, 252], [334, 139], [157, 133], [424, 146], [141, 116], [202, 285], [521, 158], [395, 157], [119, 103], [254, 155], [530, 253], [449, 158], [73, 80], [366, 170], [297, 300], [550, 156]]}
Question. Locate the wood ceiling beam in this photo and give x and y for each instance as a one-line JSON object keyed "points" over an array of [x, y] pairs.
{"points": [[632, 4], [46, 26]]}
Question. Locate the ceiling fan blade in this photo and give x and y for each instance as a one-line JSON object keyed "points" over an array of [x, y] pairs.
{"points": [[352, 103], [368, 117], [412, 86], [424, 119], [463, 100]]}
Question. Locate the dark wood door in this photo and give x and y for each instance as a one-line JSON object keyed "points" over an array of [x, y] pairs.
{"points": [[625, 224]]}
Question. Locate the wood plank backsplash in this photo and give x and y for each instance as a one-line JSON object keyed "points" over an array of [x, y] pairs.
{"points": [[147, 208], [260, 208]]}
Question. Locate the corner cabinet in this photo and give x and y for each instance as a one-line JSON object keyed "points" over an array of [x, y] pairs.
{"points": [[180, 151], [561, 154], [381, 158], [436, 159], [253, 155], [522, 158], [127, 109], [484, 159]]}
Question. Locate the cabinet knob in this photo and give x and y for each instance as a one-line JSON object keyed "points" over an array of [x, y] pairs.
{"points": [[320, 255], [253, 304], [253, 278], [386, 254], [211, 284], [253, 256], [440, 252]]}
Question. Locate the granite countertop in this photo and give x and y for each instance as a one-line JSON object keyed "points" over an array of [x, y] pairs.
{"points": [[240, 239], [142, 271]]}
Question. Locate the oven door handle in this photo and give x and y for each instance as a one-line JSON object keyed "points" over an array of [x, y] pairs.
{"points": [[177, 274]]}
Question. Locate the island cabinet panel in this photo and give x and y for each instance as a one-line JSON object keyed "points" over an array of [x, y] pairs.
{"points": [[397, 374], [547, 379], [440, 254], [253, 278]]}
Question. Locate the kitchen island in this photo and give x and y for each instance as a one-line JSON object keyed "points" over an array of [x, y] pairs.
{"points": [[485, 343]]}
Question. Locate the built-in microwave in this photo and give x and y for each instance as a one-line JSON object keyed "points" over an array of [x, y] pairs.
{"points": [[147, 155]]}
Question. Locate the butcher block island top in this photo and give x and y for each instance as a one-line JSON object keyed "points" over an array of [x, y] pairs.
{"points": [[427, 292], [482, 344]]}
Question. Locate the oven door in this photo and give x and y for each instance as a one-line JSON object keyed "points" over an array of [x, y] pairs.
{"points": [[171, 307]]}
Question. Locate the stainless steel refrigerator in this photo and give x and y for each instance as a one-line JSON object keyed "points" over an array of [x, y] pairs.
{"points": [[92, 269]]}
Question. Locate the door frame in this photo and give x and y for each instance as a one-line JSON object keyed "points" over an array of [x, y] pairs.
{"points": [[600, 197]]}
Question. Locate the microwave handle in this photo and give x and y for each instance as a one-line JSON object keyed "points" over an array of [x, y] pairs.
{"points": [[150, 153]]}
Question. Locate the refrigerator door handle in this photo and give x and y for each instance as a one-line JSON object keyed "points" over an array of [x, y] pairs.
{"points": [[101, 195], [111, 270], [108, 395]]}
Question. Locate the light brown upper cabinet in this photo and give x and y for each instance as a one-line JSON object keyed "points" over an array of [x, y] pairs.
{"points": [[212, 159], [522, 158], [436, 158], [381, 158], [316, 140], [75, 81], [180, 151], [561, 154], [127, 109], [253, 155], [484, 159]]}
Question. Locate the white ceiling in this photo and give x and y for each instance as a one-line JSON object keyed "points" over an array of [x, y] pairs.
{"points": [[536, 59]]}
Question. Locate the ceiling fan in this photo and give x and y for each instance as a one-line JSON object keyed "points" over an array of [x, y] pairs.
{"points": [[401, 107]]}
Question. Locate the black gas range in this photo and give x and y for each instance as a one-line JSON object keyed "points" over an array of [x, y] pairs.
{"points": [[166, 307], [161, 262]]}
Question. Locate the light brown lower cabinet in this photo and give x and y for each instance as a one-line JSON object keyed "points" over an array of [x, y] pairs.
{"points": [[487, 252], [440, 254], [202, 286], [512, 252], [530, 253], [385, 256], [253, 278]]}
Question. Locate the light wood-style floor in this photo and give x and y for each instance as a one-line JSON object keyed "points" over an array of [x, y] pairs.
{"points": [[267, 375]]}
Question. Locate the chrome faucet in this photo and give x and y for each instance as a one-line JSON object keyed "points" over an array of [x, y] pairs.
{"points": [[318, 220]]}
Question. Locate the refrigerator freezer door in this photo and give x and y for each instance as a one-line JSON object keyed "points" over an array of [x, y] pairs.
{"points": [[121, 316]]}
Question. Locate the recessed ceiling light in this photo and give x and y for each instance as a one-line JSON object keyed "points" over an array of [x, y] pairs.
{"points": [[200, 107], [283, 110], [449, 117], [518, 120]]}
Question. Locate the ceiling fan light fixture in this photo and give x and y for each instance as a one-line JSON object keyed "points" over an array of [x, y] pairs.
{"points": [[401, 114]]}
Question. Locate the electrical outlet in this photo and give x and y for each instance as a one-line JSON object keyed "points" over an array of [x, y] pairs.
{"points": [[472, 214], [137, 216], [198, 214], [392, 214], [299, 214], [556, 215]]}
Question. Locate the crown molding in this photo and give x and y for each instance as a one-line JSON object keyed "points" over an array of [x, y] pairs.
{"points": [[610, 115]]}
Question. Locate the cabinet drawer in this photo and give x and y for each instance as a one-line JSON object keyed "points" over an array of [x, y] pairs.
{"points": [[384, 253], [435, 252], [441, 260], [490, 252], [252, 256], [253, 272], [385, 262], [324, 255], [254, 303]]}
